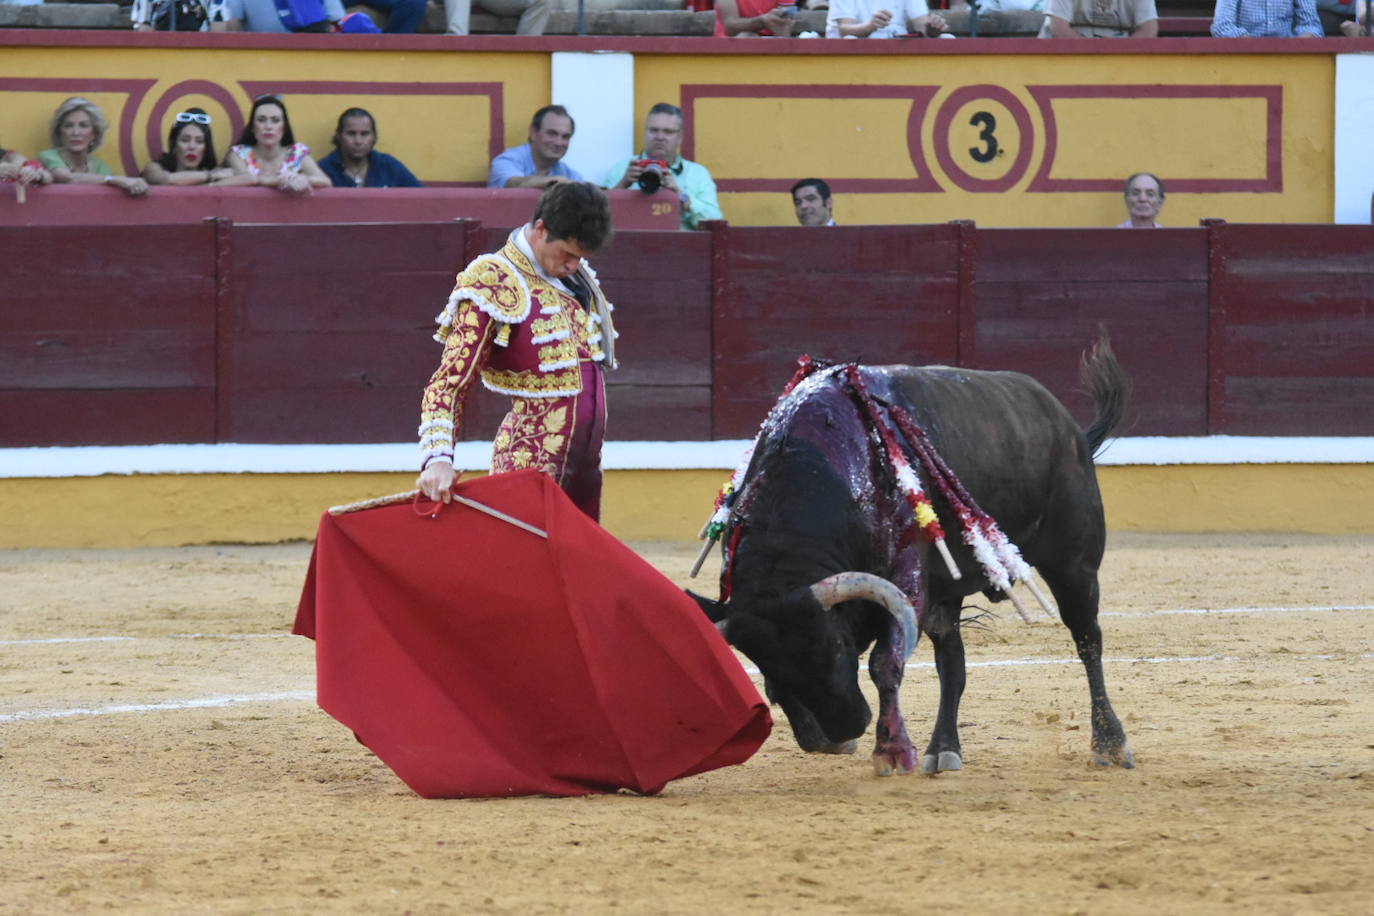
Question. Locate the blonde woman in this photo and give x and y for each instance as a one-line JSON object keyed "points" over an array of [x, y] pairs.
{"points": [[77, 129]]}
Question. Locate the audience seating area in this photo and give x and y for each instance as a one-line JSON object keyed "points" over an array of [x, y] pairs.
{"points": [[661, 18]]}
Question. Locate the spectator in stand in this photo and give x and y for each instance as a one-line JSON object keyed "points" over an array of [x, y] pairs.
{"points": [[1144, 199], [811, 199], [690, 181], [78, 127], [261, 16], [870, 19], [1101, 19], [1266, 19], [268, 154], [403, 17], [538, 163], [14, 166], [1334, 14], [190, 157], [754, 18], [534, 14], [1354, 28], [355, 162]]}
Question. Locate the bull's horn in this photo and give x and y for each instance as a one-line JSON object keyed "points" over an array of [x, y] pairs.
{"points": [[852, 586]]}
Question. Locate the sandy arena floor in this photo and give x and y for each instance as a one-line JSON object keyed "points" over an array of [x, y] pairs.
{"points": [[1251, 725]]}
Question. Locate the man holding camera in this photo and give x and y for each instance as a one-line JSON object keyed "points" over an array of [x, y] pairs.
{"points": [[661, 169]]}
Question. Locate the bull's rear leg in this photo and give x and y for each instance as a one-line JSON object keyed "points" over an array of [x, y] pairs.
{"points": [[893, 752], [1076, 592], [944, 751]]}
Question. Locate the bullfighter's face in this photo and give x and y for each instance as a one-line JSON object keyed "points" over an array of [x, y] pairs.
{"points": [[558, 257]]}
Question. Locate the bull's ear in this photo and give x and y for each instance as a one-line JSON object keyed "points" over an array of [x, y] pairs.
{"points": [[716, 611]]}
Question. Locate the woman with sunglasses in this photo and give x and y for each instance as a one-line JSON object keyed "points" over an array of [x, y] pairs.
{"points": [[190, 156], [268, 152]]}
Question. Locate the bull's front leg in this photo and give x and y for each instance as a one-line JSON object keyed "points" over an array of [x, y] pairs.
{"points": [[893, 752], [944, 751]]}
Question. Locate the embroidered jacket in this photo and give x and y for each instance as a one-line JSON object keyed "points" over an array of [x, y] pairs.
{"points": [[519, 333]]}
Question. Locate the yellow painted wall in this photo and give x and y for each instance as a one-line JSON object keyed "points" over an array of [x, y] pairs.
{"points": [[772, 135], [169, 510], [836, 138]]}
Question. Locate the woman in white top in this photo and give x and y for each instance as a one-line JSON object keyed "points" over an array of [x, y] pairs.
{"points": [[268, 152]]}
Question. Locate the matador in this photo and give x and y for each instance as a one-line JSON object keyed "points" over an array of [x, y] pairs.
{"points": [[531, 322]]}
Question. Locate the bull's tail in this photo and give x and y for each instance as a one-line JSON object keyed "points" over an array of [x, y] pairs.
{"points": [[1103, 378]]}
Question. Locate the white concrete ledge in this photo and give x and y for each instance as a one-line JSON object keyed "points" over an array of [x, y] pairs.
{"points": [[233, 458]]}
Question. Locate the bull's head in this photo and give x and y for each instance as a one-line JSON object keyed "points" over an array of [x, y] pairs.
{"points": [[809, 654]]}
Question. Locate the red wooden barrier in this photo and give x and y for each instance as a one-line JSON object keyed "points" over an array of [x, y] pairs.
{"points": [[1293, 330], [880, 294], [1042, 293], [67, 205], [107, 336], [328, 330], [212, 331]]}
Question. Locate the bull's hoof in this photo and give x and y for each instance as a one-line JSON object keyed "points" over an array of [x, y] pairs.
{"points": [[1121, 756], [933, 764], [892, 763], [844, 747]]}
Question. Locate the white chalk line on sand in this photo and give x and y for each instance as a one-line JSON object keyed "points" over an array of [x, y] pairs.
{"points": [[53, 640], [193, 703], [309, 695], [1313, 609]]}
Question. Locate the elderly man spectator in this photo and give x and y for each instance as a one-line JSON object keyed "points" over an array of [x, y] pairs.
{"points": [[872, 19], [1144, 199], [754, 18], [811, 199], [1266, 19], [1100, 19], [534, 14], [538, 163], [690, 181], [355, 162]]}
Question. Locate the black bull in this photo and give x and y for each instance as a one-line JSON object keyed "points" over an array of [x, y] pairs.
{"points": [[817, 500]]}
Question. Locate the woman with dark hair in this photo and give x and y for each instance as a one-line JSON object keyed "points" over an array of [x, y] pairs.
{"points": [[268, 152], [190, 156], [77, 129]]}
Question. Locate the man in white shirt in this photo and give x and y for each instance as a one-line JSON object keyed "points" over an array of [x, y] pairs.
{"points": [[872, 19], [1144, 199], [1100, 19]]}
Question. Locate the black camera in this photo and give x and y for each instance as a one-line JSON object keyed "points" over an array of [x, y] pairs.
{"points": [[651, 179]]}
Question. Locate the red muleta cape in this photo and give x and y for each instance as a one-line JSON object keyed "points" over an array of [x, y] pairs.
{"points": [[478, 659]]}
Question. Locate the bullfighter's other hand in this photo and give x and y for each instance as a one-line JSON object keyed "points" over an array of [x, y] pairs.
{"points": [[436, 480]]}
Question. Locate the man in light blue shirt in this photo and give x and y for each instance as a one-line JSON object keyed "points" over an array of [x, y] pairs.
{"points": [[690, 181], [1266, 19], [260, 15], [539, 163]]}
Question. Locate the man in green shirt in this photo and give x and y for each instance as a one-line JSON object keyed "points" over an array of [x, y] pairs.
{"points": [[690, 181]]}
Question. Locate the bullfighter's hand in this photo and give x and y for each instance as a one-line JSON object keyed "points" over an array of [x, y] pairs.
{"points": [[436, 480]]}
